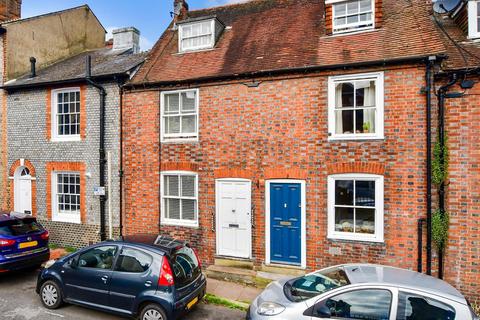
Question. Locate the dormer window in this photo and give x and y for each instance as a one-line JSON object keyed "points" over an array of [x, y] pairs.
{"points": [[198, 35], [352, 15], [474, 19]]}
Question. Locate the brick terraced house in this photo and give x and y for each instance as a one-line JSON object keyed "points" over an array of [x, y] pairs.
{"points": [[292, 135], [63, 131]]}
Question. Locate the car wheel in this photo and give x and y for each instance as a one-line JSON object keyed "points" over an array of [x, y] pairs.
{"points": [[51, 295], [152, 312]]}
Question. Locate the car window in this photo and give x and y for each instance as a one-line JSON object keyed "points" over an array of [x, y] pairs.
{"points": [[20, 227], [368, 304], [98, 257], [416, 307], [132, 260], [185, 266], [314, 284]]}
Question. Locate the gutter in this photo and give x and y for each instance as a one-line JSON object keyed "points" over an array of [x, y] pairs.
{"points": [[102, 160], [13, 87], [305, 69]]}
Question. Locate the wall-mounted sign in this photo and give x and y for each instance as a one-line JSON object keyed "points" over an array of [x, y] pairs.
{"points": [[99, 191]]}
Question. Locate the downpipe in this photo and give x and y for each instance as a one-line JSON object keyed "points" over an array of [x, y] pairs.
{"points": [[442, 91], [101, 150]]}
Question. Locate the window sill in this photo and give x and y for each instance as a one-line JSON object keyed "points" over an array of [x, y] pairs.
{"points": [[182, 52], [59, 218], [69, 139], [179, 224], [351, 32], [355, 238], [179, 140], [355, 138]]}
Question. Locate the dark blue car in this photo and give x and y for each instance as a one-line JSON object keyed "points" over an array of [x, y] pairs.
{"points": [[23, 242], [159, 281]]}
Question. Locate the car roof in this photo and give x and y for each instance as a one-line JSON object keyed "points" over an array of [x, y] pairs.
{"points": [[164, 244], [386, 275], [12, 216]]}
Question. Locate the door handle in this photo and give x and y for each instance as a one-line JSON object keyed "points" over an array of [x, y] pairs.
{"points": [[148, 283], [105, 279]]}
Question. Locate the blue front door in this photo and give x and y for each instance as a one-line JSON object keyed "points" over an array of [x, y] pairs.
{"points": [[285, 223]]}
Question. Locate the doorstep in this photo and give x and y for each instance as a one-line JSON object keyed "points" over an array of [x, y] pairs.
{"points": [[243, 272]]}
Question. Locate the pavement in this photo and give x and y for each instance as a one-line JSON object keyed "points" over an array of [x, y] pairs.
{"points": [[232, 291], [18, 301]]}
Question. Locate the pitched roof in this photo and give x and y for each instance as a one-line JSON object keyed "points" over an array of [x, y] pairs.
{"points": [[105, 63], [269, 35], [463, 53]]}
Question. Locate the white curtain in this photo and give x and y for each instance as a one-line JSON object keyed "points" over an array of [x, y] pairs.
{"points": [[369, 101], [338, 106]]}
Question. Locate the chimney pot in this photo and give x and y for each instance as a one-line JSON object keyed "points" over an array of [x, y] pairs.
{"points": [[180, 10]]}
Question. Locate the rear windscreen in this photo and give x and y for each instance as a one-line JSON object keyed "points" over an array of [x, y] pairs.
{"points": [[185, 266], [19, 227]]}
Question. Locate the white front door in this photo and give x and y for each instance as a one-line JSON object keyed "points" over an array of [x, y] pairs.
{"points": [[233, 211], [22, 191]]}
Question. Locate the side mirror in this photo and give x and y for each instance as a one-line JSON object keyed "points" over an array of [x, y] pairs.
{"points": [[321, 310], [73, 262]]}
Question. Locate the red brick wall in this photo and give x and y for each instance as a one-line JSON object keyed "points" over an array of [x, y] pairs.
{"points": [[462, 261], [279, 130]]}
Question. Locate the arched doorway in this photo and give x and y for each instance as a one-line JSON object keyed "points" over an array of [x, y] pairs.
{"points": [[22, 190]]}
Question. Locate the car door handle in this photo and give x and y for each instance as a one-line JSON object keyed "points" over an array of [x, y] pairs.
{"points": [[148, 283], [105, 279]]}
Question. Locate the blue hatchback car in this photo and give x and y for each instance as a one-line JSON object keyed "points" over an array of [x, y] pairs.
{"points": [[157, 280], [23, 242]]}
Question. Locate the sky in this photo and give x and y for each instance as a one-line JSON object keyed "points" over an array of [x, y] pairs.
{"points": [[151, 17]]}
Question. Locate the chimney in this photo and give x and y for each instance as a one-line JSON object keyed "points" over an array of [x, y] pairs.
{"points": [[126, 38], [10, 10], [180, 10]]}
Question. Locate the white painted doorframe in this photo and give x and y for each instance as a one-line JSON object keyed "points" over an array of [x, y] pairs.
{"points": [[22, 192], [303, 215], [218, 217]]}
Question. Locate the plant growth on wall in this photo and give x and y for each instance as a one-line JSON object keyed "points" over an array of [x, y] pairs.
{"points": [[440, 218]]}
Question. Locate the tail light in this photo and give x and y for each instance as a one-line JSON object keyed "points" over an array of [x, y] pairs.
{"points": [[166, 275], [44, 236], [6, 242], [198, 259]]}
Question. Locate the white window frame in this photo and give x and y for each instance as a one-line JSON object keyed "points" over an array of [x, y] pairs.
{"points": [[197, 48], [379, 208], [350, 28], [179, 137], [64, 217], [379, 106], [178, 222], [54, 119], [473, 31]]}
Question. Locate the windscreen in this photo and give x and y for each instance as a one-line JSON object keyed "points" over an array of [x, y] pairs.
{"points": [[19, 227], [314, 284]]}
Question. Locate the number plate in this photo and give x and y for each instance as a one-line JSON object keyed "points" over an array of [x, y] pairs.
{"points": [[192, 303], [30, 244]]}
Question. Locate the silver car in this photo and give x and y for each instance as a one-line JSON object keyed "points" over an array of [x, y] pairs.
{"points": [[361, 291]]}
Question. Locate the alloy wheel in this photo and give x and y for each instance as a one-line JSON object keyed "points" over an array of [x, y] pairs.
{"points": [[152, 314], [49, 295]]}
